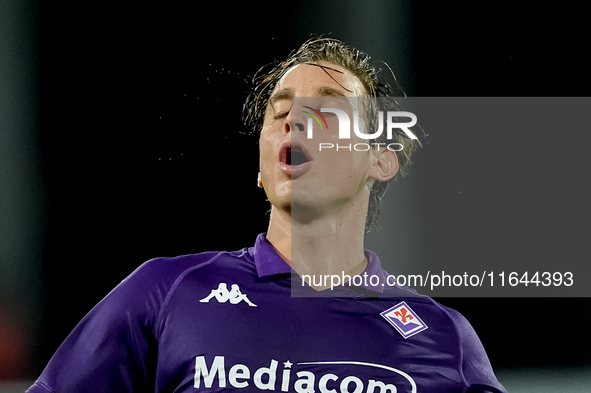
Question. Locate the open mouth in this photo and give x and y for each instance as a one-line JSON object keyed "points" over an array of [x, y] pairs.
{"points": [[294, 159], [294, 154]]}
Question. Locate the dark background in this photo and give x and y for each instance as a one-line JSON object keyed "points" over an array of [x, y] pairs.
{"points": [[135, 148]]}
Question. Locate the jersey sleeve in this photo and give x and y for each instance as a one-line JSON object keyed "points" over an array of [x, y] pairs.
{"points": [[476, 367], [113, 348]]}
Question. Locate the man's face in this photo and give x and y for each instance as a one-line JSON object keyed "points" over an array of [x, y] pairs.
{"points": [[297, 176]]}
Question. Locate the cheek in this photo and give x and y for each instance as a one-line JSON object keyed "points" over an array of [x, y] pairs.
{"points": [[264, 151], [348, 167], [266, 147]]}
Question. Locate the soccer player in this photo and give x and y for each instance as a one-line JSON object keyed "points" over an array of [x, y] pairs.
{"points": [[174, 324]]}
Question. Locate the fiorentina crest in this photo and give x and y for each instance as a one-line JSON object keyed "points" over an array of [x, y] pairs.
{"points": [[404, 319]]}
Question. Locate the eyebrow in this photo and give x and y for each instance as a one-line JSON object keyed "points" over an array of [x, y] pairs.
{"points": [[287, 93], [326, 91], [284, 94]]}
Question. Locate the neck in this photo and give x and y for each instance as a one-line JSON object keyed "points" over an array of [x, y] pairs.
{"points": [[328, 244]]}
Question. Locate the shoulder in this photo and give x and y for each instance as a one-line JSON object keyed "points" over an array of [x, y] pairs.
{"points": [[144, 292], [167, 270], [464, 331], [114, 346], [475, 365]]}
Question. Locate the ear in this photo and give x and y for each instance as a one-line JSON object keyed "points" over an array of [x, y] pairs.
{"points": [[384, 164], [259, 180]]}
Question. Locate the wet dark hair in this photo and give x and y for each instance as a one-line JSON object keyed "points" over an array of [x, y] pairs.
{"points": [[336, 52]]}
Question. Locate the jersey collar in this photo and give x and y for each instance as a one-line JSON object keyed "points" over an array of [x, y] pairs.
{"points": [[266, 259], [268, 263]]}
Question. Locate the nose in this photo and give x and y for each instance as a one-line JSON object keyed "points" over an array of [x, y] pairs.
{"points": [[294, 121]]}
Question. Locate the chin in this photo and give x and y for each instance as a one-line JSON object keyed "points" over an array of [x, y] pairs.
{"points": [[280, 202], [305, 210]]}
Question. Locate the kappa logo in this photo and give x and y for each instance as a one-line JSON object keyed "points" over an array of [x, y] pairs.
{"points": [[404, 320], [222, 295]]}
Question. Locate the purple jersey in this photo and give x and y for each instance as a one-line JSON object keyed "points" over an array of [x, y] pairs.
{"points": [[227, 321]]}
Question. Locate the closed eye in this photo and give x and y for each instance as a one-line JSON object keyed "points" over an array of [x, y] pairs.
{"points": [[281, 115]]}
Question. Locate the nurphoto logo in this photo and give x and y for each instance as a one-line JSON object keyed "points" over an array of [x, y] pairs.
{"points": [[385, 121]]}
